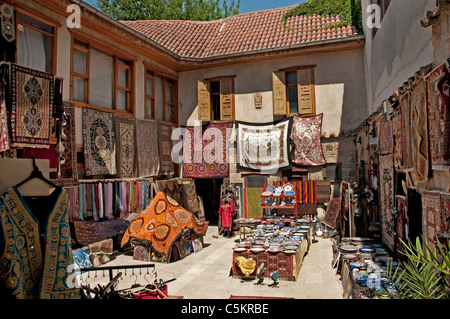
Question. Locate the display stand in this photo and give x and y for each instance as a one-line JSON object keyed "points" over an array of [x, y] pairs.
{"points": [[282, 201]]}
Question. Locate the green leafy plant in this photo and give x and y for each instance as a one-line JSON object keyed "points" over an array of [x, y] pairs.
{"points": [[423, 274], [349, 12]]}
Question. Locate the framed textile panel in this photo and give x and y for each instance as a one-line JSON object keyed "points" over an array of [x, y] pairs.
{"points": [[308, 146], [263, 147]]}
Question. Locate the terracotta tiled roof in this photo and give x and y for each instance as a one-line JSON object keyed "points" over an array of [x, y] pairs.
{"points": [[240, 33]]}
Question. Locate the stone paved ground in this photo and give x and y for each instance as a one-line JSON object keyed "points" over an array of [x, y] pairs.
{"points": [[205, 274]]}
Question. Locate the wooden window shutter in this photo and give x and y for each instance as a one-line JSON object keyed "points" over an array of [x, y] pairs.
{"points": [[226, 99], [204, 101], [279, 93], [306, 93]]}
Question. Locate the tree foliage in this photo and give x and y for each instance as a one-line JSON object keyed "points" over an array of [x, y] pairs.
{"points": [[198, 10], [348, 10]]}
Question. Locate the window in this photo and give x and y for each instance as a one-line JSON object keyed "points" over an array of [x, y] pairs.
{"points": [[35, 43], [293, 92], [216, 99], [255, 181], [101, 79], [160, 97]]}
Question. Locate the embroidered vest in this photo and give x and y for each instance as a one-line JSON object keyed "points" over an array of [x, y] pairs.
{"points": [[35, 265]]}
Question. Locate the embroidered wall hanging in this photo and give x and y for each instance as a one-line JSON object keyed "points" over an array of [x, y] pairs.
{"points": [[162, 223], [205, 151], [263, 147], [125, 132], [419, 132], [406, 131], [31, 108], [7, 22], [147, 147], [439, 115], [99, 142], [308, 146], [165, 149], [387, 199]]}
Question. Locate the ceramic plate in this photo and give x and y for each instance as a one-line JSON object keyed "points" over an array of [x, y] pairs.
{"points": [[270, 188], [239, 249], [257, 250], [288, 187]]}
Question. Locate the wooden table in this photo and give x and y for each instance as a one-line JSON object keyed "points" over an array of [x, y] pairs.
{"points": [[246, 223]]}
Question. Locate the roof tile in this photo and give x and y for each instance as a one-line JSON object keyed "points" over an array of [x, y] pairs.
{"points": [[240, 33]]}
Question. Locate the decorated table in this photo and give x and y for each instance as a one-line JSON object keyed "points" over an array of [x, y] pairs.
{"points": [[280, 249], [364, 267]]}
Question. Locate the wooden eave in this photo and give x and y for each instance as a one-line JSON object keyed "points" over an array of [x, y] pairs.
{"points": [[153, 52]]}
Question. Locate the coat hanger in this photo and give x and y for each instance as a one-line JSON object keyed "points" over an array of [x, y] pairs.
{"points": [[36, 173]]}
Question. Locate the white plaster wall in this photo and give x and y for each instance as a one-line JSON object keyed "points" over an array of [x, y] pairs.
{"points": [[339, 86], [400, 47]]}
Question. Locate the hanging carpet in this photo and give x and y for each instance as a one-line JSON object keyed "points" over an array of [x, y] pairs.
{"points": [[306, 192], [397, 127], [419, 132], [332, 213], [431, 217], [263, 147], [8, 25], [68, 166], [165, 149], [438, 86], [387, 199], [125, 132], [200, 145], [406, 131], [162, 223], [385, 140], [4, 132], [252, 202], [147, 147], [99, 142], [32, 103], [308, 146]]}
